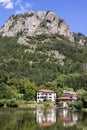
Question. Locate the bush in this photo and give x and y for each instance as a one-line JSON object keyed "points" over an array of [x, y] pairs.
{"points": [[12, 103], [71, 105], [2, 103], [60, 104], [79, 105]]}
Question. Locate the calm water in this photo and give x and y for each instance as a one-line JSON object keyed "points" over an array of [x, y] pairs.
{"points": [[40, 119]]}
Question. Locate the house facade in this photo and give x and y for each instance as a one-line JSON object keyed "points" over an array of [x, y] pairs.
{"points": [[45, 94], [67, 98]]}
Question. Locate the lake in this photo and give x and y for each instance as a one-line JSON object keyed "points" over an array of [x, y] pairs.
{"points": [[42, 119]]}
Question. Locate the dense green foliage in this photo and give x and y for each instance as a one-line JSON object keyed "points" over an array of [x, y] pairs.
{"points": [[12, 103], [25, 68]]}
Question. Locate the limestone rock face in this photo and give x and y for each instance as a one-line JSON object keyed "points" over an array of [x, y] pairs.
{"points": [[32, 24]]}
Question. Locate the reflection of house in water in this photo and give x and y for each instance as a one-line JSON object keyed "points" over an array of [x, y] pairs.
{"points": [[45, 117], [68, 119]]}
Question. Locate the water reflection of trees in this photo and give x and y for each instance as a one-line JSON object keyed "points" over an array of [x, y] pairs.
{"points": [[25, 119], [17, 120], [82, 123]]}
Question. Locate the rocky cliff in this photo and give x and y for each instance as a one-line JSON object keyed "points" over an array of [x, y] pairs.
{"points": [[32, 24]]}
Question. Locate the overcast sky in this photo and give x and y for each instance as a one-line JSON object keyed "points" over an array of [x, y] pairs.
{"points": [[74, 12]]}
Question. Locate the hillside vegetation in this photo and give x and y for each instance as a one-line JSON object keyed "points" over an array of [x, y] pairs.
{"points": [[45, 61]]}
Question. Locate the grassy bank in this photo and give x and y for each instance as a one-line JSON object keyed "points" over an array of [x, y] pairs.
{"points": [[32, 104], [25, 104]]}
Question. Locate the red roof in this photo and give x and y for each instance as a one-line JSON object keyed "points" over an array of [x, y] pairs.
{"points": [[65, 98], [66, 119], [70, 92], [46, 91], [46, 124]]}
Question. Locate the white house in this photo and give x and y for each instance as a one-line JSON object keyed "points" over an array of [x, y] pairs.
{"points": [[45, 94]]}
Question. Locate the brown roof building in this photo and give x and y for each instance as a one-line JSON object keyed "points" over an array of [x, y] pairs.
{"points": [[67, 97]]}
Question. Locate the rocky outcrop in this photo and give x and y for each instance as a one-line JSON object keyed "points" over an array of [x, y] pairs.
{"points": [[80, 38], [32, 24]]}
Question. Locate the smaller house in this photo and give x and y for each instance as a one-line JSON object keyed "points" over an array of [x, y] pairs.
{"points": [[45, 94], [66, 98]]}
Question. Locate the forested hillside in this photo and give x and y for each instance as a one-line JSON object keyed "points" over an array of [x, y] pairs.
{"points": [[45, 61]]}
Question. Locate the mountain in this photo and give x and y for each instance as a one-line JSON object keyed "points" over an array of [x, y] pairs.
{"points": [[32, 24], [39, 48]]}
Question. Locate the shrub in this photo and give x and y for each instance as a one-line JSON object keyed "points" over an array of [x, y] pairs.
{"points": [[60, 21], [48, 12], [60, 104], [2, 103], [12, 103], [71, 105], [79, 105]]}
